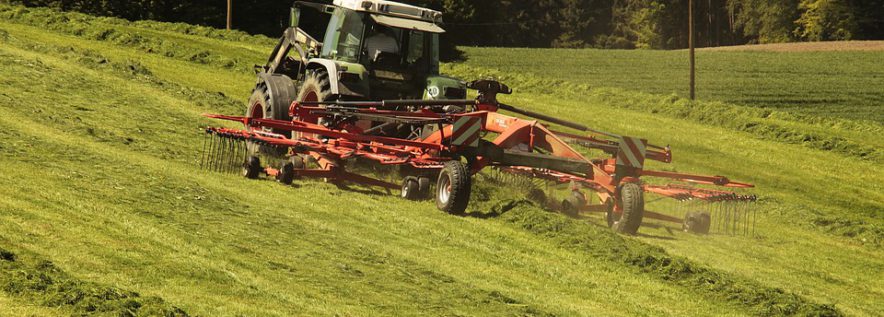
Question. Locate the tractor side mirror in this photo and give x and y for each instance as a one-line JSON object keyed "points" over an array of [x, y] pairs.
{"points": [[295, 17]]}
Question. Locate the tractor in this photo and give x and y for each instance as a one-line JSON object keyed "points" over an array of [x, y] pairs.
{"points": [[371, 50]]}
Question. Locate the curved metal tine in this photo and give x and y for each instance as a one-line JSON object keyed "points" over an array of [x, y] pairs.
{"points": [[737, 216], [225, 145], [225, 157], [231, 156], [755, 214], [727, 217], [203, 153], [216, 142], [209, 152]]}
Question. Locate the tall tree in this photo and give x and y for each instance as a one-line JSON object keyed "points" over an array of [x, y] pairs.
{"points": [[823, 20], [765, 21]]}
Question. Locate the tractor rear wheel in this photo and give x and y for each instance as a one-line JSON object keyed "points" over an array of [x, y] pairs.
{"points": [[632, 203], [697, 222], [453, 188], [263, 106], [315, 87]]}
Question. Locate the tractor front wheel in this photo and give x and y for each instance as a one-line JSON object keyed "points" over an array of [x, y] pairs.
{"points": [[453, 188], [632, 204]]}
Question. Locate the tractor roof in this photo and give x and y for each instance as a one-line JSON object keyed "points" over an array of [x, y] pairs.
{"points": [[390, 8]]}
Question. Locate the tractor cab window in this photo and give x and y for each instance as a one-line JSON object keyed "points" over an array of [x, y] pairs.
{"points": [[423, 51], [343, 39], [401, 48]]}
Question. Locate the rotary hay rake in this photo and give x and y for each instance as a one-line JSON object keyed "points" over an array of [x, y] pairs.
{"points": [[442, 144]]}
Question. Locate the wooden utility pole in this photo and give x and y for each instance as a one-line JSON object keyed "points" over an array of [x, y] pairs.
{"points": [[229, 13], [691, 46]]}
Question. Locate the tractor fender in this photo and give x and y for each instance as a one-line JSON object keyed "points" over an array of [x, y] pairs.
{"points": [[332, 68], [280, 88]]}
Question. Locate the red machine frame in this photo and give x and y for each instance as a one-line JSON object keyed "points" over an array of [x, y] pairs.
{"points": [[519, 146]]}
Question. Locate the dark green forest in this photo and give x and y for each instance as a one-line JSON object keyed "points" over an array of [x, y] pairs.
{"points": [[625, 24]]}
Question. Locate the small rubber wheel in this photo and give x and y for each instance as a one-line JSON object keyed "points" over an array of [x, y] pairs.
{"points": [[423, 187], [571, 206], [410, 188], [298, 161], [453, 188], [697, 222], [252, 167], [610, 217], [632, 202], [286, 173]]}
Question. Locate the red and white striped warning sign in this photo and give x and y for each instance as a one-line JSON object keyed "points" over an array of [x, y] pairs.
{"points": [[466, 131], [632, 152]]}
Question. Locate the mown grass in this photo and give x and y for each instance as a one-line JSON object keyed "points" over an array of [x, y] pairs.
{"points": [[816, 84], [100, 140]]}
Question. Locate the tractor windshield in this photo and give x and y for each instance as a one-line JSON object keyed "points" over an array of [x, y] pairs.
{"points": [[356, 38], [343, 39]]}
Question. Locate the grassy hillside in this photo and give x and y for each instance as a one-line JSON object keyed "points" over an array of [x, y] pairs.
{"points": [[104, 208], [828, 84]]}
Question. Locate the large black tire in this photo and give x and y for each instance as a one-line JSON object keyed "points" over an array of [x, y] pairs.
{"points": [[697, 222], [632, 202], [315, 87], [264, 104], [453, 188]]}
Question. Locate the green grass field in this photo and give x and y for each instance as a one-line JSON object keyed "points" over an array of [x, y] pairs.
{"points": [[105, 211], [825, 84]]}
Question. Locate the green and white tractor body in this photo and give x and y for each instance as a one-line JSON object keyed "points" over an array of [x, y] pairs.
{"points": [[372, 50]]}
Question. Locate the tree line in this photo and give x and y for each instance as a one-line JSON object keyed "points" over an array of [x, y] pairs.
{"points": [[623, 24]]}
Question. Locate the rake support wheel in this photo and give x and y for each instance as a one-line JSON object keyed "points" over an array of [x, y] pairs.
{"points": [[697, 222], [571, 206], [410, 188], [632, 204], [453, 188], [286, 174], [251, 169]]}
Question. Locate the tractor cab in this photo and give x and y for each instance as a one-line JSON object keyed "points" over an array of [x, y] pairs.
{"points": [[383, 49]]}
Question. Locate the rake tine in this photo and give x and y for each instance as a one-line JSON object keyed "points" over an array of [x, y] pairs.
{"points": [[754, 216], [211, 141], [737, 217], [203, 153], [219, 166], [231, 156], [213, 153]]}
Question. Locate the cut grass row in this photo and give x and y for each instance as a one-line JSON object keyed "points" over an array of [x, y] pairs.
{"points": [[41, 282]]}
